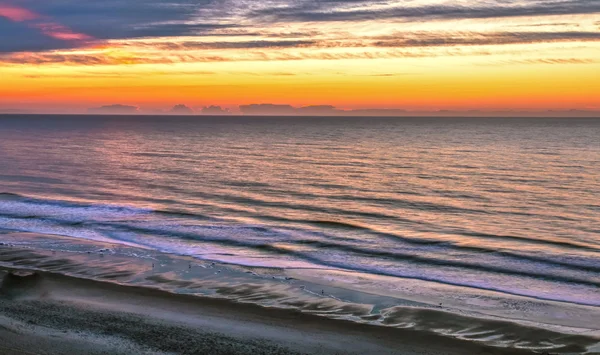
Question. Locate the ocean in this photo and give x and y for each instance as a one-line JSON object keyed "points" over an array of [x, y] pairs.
{"points": [[494, 217]]}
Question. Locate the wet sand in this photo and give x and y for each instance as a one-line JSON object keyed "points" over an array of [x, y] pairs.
{"points": [[43, 313]]}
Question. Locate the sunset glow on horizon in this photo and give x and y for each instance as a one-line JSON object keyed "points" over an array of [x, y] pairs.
{"points": [[68, 56]]}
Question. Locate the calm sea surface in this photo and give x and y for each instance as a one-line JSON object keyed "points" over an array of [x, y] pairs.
{"points": [[509, 205]]}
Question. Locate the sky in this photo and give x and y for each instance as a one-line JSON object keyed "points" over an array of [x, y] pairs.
{"points": [[416, 55]]}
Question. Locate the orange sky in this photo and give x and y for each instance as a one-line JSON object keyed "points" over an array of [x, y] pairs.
{"points": [[538, 62]]}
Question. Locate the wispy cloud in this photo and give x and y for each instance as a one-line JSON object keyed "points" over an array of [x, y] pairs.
{"points": [[92, 59], [550, 61], [340, 10], [33, 31], [112, 19], [78, 20], [82, 20], [428, 39], [191, 45], [131, 32], [16, 14], [59, 31]]}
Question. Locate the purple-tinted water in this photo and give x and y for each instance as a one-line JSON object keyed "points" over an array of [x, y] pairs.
{"points": [[509, 205]]}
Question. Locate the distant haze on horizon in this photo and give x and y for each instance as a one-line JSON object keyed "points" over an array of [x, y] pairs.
{"points": [[264, 110], [324, 111], [306, 57]]}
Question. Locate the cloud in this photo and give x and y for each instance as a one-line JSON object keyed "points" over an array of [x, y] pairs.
{"points": [[439, 39], [113, 19], [114, 110], [314, 110], [332, 111], [93, 59], [548, 61], [70, 20], [419, 44], [214, 111], [173, 30], [181, 110], [189, 25], [360, 10], [200, 45], [550, 24], [16, 14], [32, 31], [317, 110], [26, 38], [54, 58], [59, 31], [377, 112], [267, 109]]}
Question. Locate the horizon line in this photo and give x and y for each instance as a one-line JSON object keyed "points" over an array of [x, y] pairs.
{"points": [[279, 110], [429, 114]]}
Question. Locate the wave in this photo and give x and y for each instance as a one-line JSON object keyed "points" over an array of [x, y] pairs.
{"points": [[554, 242], [336, 224], [77, 213], [567, 295], [376, 254], [517, 257], [343, 225], [325, 245], [345, 249], [183, 214], [15, 205], [40, 203]]}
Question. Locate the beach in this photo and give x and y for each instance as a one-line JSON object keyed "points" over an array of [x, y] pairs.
{"points": [[49, 314], [95, 312], [362, 177]]}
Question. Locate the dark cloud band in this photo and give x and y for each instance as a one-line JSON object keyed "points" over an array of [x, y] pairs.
{"points": [[101, 20], [327, 11]]}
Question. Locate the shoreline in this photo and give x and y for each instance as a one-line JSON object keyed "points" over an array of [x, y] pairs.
{"points": [[94, 316], [236, 303]]}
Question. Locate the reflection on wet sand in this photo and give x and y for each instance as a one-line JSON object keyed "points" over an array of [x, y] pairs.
{"points": [[278, 290]]}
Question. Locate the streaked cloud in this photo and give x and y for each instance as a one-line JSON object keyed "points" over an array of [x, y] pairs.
{"points": [[550, 61], [33, 31], [71, 20], [16, 14], [374, 53], [114, 19], [428, 39], [191, 45], [42, 25], [339, 10]]}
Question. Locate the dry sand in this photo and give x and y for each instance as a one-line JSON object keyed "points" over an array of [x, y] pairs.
{"points": [[43, 313]]}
